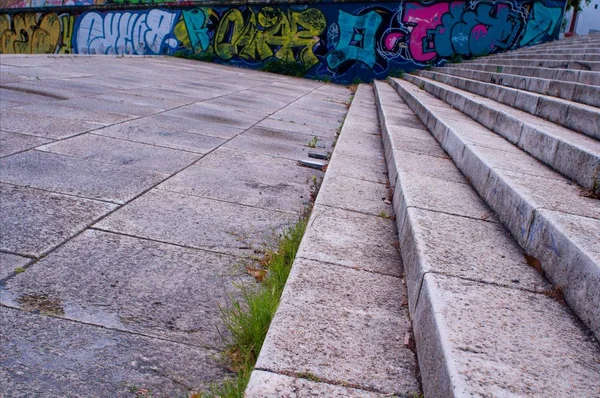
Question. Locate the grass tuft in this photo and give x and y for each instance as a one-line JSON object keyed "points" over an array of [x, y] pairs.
{"points": [[248, 318]]}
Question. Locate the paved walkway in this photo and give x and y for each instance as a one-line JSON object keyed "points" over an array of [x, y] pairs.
{"points": [[133, 192]]}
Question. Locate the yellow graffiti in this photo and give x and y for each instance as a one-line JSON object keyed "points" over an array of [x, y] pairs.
{"points": [[270, 32], [30, 34]]}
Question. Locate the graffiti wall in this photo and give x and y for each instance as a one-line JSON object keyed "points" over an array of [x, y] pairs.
{"points": [[336, 41]]}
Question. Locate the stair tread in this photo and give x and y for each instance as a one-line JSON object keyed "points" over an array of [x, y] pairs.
{"points": [[518, 198], [462, 269]]}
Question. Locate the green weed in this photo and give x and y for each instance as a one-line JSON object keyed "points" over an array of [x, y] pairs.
{"points": [[289, 68], [313, 143], [248, 319]]}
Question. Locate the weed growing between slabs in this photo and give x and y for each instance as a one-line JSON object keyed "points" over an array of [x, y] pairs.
{"points": [[248, 318]]}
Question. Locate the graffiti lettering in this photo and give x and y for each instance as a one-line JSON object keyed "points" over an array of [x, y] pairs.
{"points": [[126, 32], [270, 32], [30, 34], [337, 40]]}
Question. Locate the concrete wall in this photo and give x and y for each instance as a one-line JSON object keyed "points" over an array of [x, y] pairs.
{"points": [[338, 41]]}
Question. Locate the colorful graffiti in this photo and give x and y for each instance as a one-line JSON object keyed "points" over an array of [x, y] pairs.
{"points": [[338, 41]]}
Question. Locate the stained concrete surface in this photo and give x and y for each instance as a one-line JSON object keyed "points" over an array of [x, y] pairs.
{"points": [[133, 213]]}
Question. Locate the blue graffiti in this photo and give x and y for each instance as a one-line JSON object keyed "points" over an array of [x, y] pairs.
{"points": [[357, 39]]}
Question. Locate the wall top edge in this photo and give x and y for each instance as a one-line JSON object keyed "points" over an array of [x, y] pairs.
{"points": [[183, 4]]}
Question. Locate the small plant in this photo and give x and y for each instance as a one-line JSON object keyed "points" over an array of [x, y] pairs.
{"points": [[313, 143], [399, 73], [19, 270], [356, 81], [422, 86], [289, 68], [455, 59], [499, 69], [204, 56]]}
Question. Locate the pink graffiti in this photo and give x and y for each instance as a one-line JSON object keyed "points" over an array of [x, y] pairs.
{"points": [[423, 18], [391, 40]]}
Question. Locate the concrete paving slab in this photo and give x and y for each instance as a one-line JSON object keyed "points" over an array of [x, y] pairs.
{"points": [[198, 222], [274, 123], [46, 356], [134, 285], [281, 143], [165, 121], [429, 166], [11, 262], [463, 247], [273, 385], [120, 152], [204, 112], [70, 111], [74, 176], [354, 194], [57, 89], [250, 179], [17, 121], [34, 222], [147, 131], [352, 240], [483, 339], [13, 142], [334, 324]]}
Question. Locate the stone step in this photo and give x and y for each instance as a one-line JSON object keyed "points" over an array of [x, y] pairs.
{"points": [[582, 93], [485, 322], [572, 115], [546, 213], [568, 152], [547, 55], [568, 75], [341, 327], [553, 63], [560, 50]]}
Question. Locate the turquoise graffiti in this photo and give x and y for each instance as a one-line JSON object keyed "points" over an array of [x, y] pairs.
{"points": [[542, 22], [196, 27], [356, 39]]}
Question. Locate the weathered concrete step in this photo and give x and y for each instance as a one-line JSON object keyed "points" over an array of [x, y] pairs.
{"points": [[483, 323], [555, 50], [578, 117], [576, 92], [341, 326], [568, 75], [553, 63], [546, 213], [573, 56], [570, 153]]}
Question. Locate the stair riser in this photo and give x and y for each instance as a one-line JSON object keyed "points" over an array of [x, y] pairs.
{"points": [[518, 215], [562, 57], [575, 163], [547, 63], [581, 77], [586, 121]]}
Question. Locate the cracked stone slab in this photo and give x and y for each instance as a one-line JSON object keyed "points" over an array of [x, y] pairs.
{"points": [[34, 222], [463, 247], [134, 285], [13, 142], [47, 356], [351, 239], [240, 177], [372, 170], [199, 222], [120, 152], [479, 339], [10, 262], [273, 385], [65, 174], [342, 325]]}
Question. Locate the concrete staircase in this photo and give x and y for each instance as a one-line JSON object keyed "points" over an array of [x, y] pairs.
{"points": [[495, 165]]}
